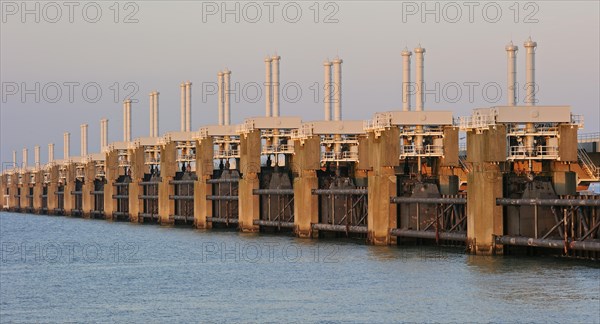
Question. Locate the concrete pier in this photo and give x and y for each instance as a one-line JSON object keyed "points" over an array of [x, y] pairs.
{"points": [[249, 204]]}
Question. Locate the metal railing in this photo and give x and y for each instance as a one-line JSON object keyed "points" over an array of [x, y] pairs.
{"points": [[278, 149], [220, 154], [520, 152], [588, 137], [588, 165], [339, 156], [427, 150]]}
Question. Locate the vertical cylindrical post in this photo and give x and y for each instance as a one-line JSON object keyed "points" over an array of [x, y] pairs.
{"points": [[276, 60], [268, 87], [128, 120], [420, 100], [337, 89], [327, 86], [188, 106], [125, 120], [511, 80], [14, 159], [182, 126], [50, 152], [103, 134], [36, 156], [84, 136], [227, 103], [530, 72], [155, 119], [66, 145], [151, 112], [530, 93], [406, 79], [25, 158], [220, 100]]}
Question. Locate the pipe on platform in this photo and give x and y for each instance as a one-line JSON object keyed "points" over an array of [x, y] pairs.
{"points": [[337, 95], [25, 158], [220, 106], [182, 112], [36, 156], [50, 152], [155, 119], [413, 200], [327, 100], [548, 243], [420, 65], [151, 112], [530, 47], [84, 140], [432, 235], [188, 106], [511, 80], [547, 202], [66, 145], [103, 134], [14, 156], [127, 120], [406, 79], [268, 88], [227, 104], [276, 60]]}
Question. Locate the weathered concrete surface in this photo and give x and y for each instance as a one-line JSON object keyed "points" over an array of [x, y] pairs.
{"points": [[168, 168], [384, 153], [249, 203], [204, 171], [87, 199], [484, 218], [306, 160], [69, 188], [38, 189], [138, 168], [112, 173]]}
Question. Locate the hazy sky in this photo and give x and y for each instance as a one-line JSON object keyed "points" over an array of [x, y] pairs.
{"points": [[167, 42]]}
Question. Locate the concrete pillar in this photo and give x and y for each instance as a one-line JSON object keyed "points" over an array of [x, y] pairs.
{"points": [[249, 204], [13, 189], [419, 79], [69, 188], [87, 199], [155, 113], [111, 168], [138, 169], [383, 152], [511, 79], [168, 168], [24, 191], [3, 188], [66, 146], [52, 188], [306, 205], [484, 218], [204, 171], [84, 139], [406, 79]]}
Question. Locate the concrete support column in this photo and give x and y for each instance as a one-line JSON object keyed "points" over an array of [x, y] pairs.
{"points": [[138, 168], [204, 171], [484, 217], [25, 191], [52, 188], [249, 204], [3, 188], [69, 188], [168, 168], [87, 201], [383, 157], [111, 167], [306, 205], [13, 189]]}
